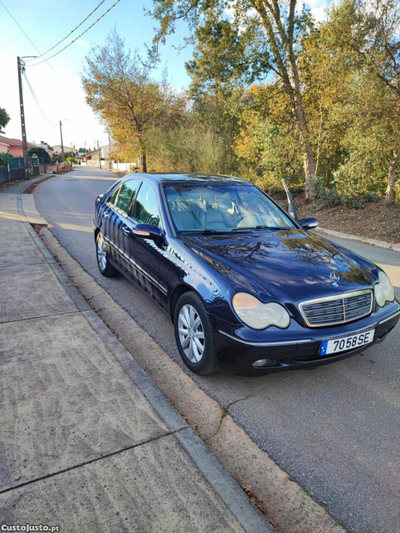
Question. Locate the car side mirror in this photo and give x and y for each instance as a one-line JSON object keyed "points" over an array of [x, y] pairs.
{"points": [[308, 223], [147, 231]]}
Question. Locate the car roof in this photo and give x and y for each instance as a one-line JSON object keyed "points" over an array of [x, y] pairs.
{"points": [[166, 177]]}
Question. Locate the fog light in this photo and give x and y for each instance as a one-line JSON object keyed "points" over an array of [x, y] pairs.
{"points": [[265, 362], [260, 362]]}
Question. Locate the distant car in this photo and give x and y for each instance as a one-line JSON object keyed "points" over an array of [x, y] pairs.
{"points": [[248, 289]]}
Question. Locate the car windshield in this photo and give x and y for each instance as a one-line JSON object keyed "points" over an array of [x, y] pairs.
{"points": [[223, 208]]}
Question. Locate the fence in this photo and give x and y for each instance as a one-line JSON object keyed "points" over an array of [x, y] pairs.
{"points": [[123, 167], [13, 174], [57, 168], [15, 170], [111, 165]]}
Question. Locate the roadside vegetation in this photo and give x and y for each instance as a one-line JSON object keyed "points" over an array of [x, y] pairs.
{"points": [[273, 94]]}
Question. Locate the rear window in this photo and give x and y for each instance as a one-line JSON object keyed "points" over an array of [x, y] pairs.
{"points": [[126, 194], [114, 195]]}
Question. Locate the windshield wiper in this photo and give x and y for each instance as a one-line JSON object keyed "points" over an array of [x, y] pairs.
{"points": [[269, 227], [272, 228], [206, 231]]}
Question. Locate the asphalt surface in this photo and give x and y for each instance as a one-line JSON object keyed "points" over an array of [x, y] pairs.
{"points": [[335, 429]]}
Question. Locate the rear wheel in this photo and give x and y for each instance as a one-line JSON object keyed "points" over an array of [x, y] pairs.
{"points": [[193, 334], [102, 258]]}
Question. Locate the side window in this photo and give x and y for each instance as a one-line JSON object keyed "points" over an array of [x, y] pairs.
{"points": [[128, 189], [114, 195], [145, 208]]}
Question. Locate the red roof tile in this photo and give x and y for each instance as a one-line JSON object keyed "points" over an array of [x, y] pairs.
{"points": [[13, 142]]}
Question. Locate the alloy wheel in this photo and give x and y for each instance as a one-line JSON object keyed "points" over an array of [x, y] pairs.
{"points": [[191, 333], [101, 253]]}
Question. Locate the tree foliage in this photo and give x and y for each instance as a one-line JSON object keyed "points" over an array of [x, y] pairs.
{"points": [[272, 94], [4, 119], [278, 27], [5, 159], [41, 153], [120, 90]]}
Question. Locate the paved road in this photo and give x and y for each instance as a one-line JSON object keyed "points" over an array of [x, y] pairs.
{"points": [[335, 430]]}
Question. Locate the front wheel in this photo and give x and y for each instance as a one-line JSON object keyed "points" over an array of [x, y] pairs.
{"points": [[102, 258], [193, 334]]}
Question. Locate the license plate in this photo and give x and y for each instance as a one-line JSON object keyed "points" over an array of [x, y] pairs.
{"points": [[347, 343]]}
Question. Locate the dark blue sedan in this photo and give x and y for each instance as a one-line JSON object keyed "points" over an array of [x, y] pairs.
{"points": [[248, 288]]}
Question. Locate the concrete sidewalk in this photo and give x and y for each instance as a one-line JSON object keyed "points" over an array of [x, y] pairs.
{"points": [[87, 440]]}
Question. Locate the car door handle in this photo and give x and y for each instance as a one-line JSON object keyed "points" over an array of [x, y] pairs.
{"points": [[106, 214], [126, 230]]}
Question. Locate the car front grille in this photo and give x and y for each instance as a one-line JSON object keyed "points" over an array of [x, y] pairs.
{"points": [[337, 309]]}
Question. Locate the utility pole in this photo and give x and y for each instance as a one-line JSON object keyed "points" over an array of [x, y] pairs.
{"points": [[62, 144], [21, 66]]}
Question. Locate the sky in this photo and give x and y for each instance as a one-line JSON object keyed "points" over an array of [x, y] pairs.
{"points": [[58, 89]]}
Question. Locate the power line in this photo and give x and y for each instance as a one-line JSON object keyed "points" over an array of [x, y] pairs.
{"points": [[36, 100], [20, 27], [29, 39], [76, 27], [79, 36]]}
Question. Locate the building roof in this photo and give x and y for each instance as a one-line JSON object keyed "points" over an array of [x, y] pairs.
{"points": [[13, 142]]}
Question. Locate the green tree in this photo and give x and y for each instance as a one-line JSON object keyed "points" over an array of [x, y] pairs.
{"points": [[4, 119], [370, 31], [283, 29], [5, 159], [220, 70], [41, 153], [268, 141], [121, 92]]}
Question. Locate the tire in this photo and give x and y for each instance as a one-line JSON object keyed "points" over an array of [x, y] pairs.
{"points": [[197, 347], [102, 258]]}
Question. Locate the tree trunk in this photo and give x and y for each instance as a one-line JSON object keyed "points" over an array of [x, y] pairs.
{"points": [[389, 197], [144, 161], [308, 157], [289, 74]]}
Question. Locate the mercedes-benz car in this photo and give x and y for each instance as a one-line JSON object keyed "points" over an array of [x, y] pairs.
{"points": [[248, 287]]}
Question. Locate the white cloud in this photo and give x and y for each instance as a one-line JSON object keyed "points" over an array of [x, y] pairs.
{"points": [[83, 43], [319, 13]]}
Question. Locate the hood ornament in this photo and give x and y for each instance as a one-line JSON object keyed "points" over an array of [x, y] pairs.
{"points": [[334, 277]]}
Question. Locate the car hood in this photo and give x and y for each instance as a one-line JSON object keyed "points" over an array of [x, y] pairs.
{"points": [[289, 266]]}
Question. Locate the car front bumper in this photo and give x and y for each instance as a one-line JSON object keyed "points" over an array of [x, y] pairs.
{"points": [[238, 347]]}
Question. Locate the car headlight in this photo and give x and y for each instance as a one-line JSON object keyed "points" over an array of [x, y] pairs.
{"points": [[258, 315], [384, 291]]}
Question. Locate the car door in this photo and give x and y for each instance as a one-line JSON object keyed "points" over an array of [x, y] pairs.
{"points": [[145, 253], [118, 221], [106, 225]]}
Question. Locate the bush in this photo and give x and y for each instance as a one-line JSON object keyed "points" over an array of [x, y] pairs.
{"points": [[330, 197], [371, 197], [5, 159]]}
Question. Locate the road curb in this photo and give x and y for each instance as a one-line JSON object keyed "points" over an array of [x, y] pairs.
{"points": [[365, 240], [235, 499]]}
